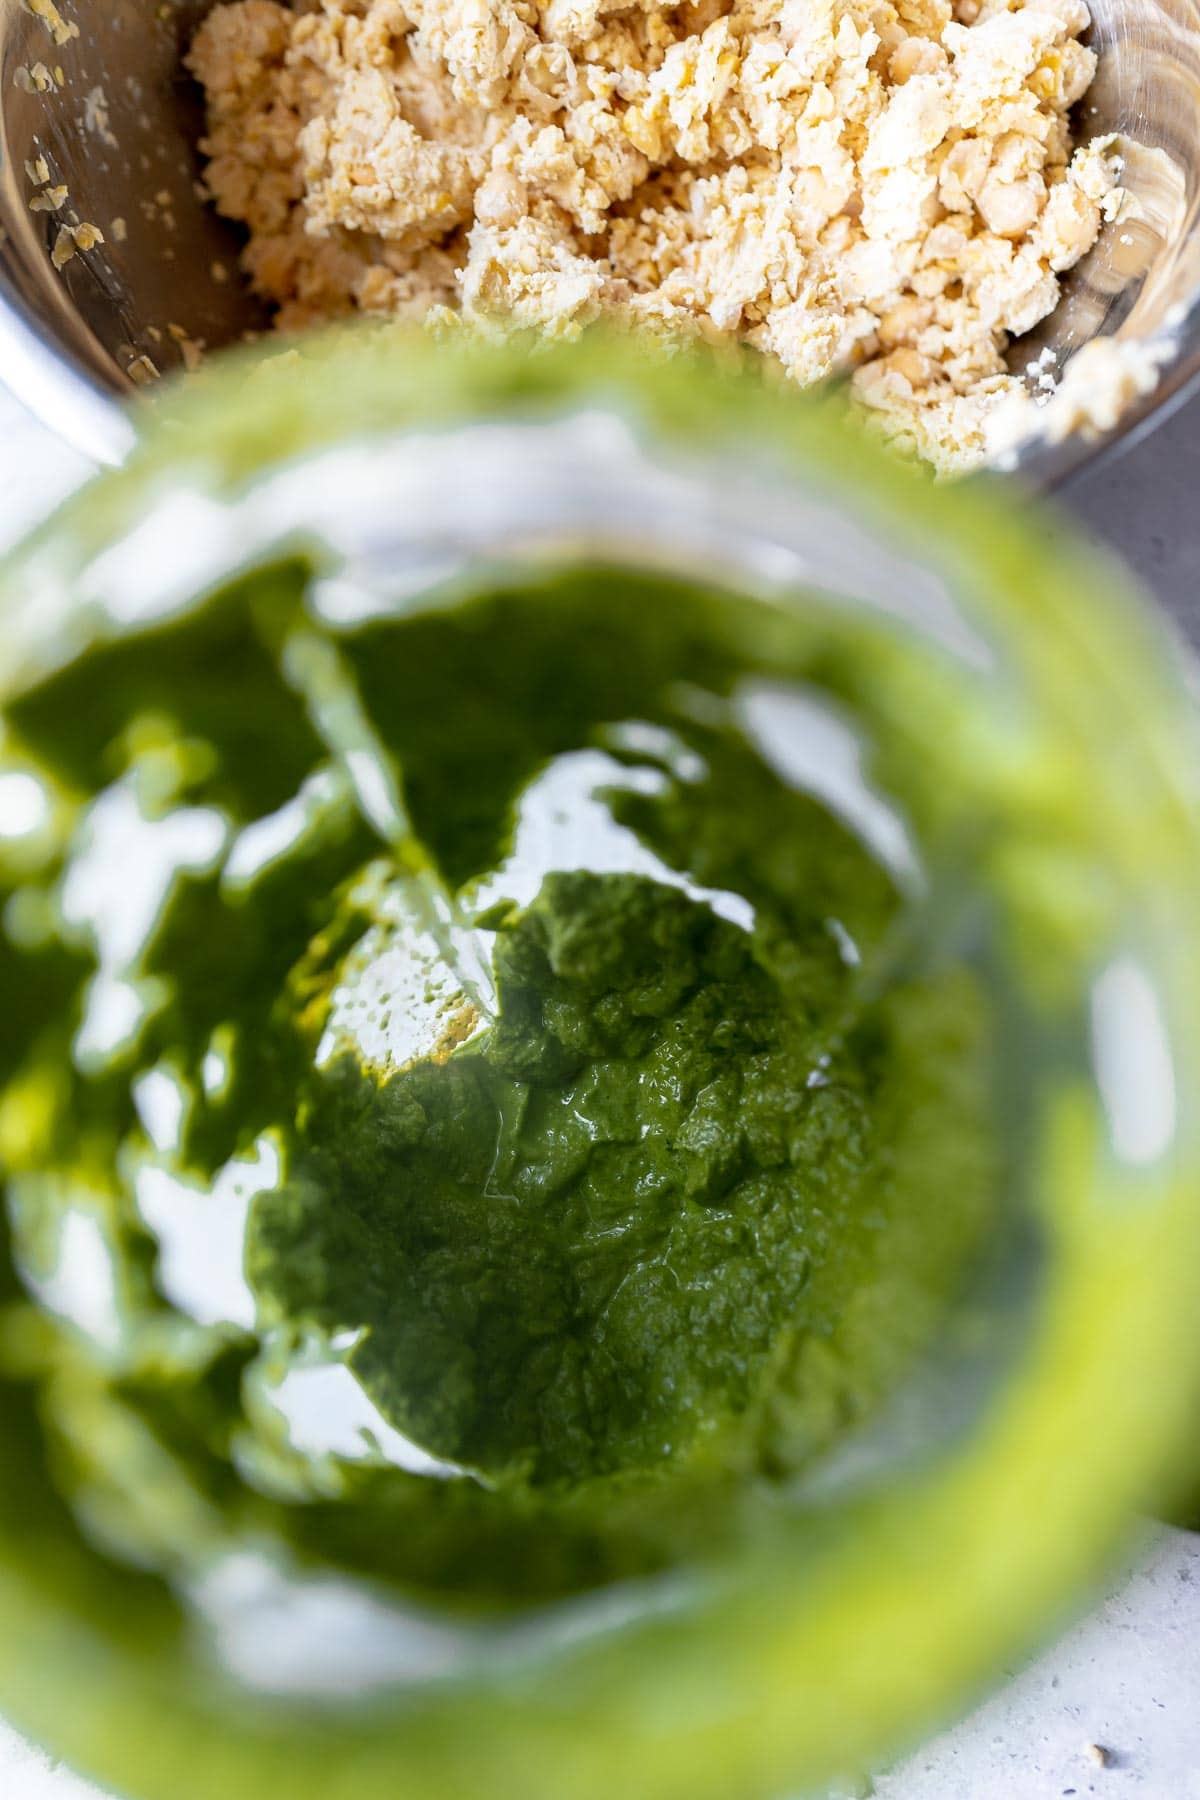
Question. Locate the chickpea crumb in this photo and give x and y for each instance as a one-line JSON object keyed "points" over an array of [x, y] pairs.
{"points": [[886, 189]]}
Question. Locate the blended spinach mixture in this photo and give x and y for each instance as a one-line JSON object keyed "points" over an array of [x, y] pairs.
{"points": [[477, 1108]]}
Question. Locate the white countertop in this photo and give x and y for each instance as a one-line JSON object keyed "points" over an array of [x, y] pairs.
{"points": [[1113, 1709]]}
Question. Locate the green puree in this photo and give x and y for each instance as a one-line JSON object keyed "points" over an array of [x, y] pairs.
{"points": [[517, 1124]]}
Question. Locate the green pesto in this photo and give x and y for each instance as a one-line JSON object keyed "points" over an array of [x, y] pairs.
{"points": [[697, 1156]]}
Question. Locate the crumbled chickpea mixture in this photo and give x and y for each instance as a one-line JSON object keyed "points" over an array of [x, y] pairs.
{"points": [[887, 187]]}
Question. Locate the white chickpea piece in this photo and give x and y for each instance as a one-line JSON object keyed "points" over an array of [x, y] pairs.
{"points": [[916, 369], [904, 320], [915, 56], [1010, 208], [1069, 225], [500, 200]]}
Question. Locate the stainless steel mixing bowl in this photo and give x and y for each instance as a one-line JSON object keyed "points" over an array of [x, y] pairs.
{"points": [[96, 88]]}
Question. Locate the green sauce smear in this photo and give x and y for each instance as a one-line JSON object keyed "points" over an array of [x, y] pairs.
{"points": [[516, 1044]]}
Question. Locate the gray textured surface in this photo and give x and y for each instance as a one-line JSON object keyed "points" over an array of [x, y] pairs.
{"points": [[1127, 1679], [1111, 1711], [1145, 503]]}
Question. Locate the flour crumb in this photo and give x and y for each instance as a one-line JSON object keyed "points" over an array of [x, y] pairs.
{"points": [[50, 199], [143, 372], [73, 238], [64, 248], [60, 29], [190, 349], [96, 119]]}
